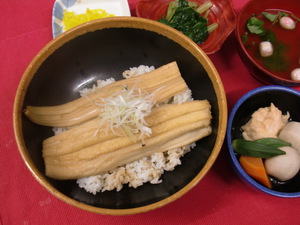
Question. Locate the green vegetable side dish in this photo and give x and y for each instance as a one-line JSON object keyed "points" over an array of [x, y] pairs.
{"points": [[261, 148], [185, 16]]}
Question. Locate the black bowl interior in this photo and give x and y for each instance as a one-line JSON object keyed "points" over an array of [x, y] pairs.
{"points": [[107, 53], [286, 102]]}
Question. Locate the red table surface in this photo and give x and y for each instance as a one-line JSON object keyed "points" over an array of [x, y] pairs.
{"points": [[220, 198]]}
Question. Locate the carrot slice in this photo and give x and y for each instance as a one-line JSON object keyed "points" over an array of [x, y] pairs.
{"points": [[255, 168]]}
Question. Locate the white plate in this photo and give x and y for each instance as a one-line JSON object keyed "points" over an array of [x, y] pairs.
{"points": [[116, 7]]}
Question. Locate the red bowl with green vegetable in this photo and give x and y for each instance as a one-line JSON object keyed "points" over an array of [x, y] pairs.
{"points": [[220, 16], [259, 22], [245, 156]]}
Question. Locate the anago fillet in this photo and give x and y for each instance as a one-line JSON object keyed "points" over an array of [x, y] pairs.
{"points": [[201, 117], [111, 161], [166, 81], [63, 169], [93, 132]]}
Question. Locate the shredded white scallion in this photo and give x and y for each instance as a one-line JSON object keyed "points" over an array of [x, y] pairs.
{"points": [[126, 110]]}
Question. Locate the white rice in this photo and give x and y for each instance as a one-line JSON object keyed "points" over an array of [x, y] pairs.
{"points": [[136, 71], [147, 169], [100, 83]]}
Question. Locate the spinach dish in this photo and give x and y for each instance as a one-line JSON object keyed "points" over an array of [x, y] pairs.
{"points": [[190, 19]]}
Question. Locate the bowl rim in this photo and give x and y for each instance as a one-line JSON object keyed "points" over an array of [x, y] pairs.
{"points": [[235, 163], [120, 22], [240, 43]]}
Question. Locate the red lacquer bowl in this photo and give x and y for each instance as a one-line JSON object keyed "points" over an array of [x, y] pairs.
{"points": [[221, 12], [255, 69]]}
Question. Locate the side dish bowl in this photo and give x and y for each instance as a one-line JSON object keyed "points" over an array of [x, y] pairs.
{"points": [[222, 12], [102, 49], [285, 99], [254, 64]]}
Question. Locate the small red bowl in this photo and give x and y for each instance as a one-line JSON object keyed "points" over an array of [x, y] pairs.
{"points": [[221, 12], [254, 7]]}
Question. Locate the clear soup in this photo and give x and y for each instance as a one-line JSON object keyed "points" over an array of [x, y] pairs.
{"points": [[286, 45]]}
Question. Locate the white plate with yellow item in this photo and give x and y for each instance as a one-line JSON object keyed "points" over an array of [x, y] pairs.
{"points": [[69, 13]]}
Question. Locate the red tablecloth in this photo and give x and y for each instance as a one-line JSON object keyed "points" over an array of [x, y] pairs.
{"points": [[220, 198]]}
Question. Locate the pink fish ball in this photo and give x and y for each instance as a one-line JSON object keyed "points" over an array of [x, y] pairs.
{"points": [[265, 48], [287, 23]]}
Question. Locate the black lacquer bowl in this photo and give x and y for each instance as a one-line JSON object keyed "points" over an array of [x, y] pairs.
{"points": [[102, 49]]}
